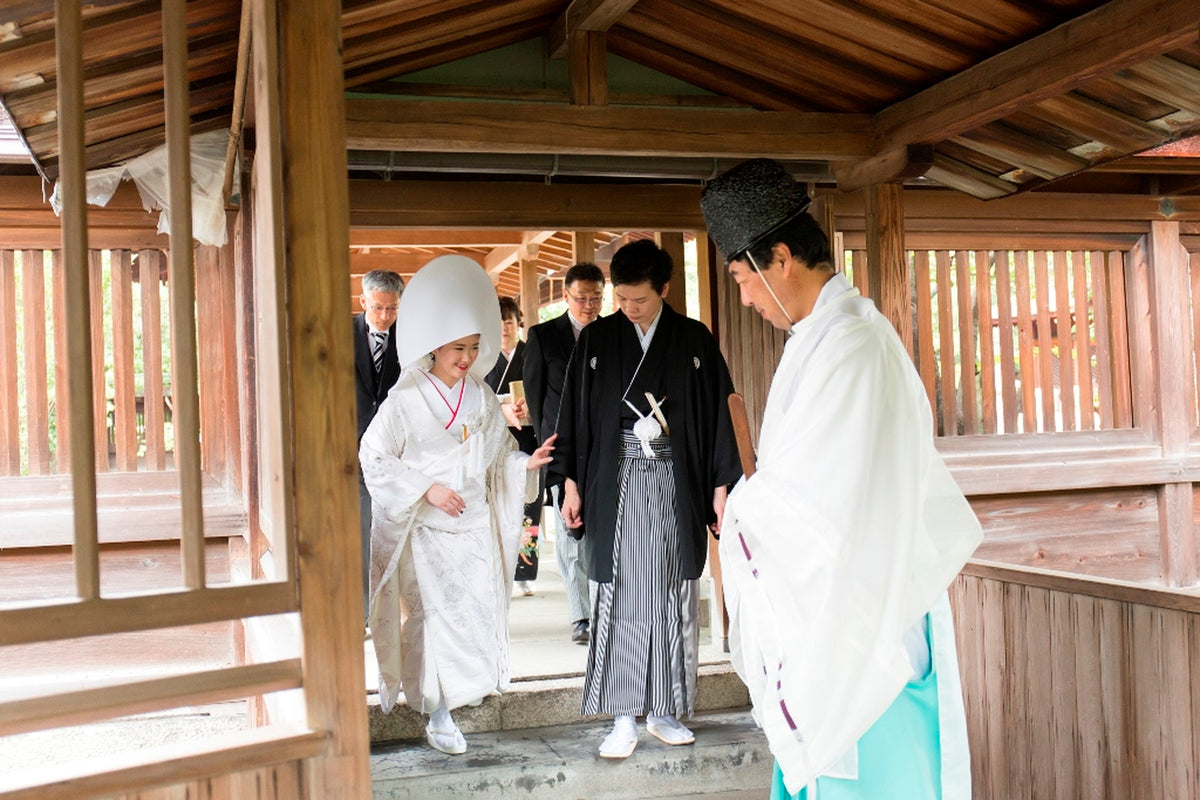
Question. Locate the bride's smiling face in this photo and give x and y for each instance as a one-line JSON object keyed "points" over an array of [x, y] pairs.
{"points": [[453, 360]]}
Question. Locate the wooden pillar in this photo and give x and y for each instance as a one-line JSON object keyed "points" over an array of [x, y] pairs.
{"points": [[1170, 321], [529, 285], [887, 263], [319, 386], [706, 286], [676, 297], [76, 300], [585, 246]]}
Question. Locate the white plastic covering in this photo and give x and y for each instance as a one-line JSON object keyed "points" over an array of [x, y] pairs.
{"points": [[149, 174]]}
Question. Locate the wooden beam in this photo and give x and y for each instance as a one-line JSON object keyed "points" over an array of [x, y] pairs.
{"points": [[1119, 34], [584, 15], [524, 206], [938, 204], [911, 161], [391, 237], [1158, 165], [485, 127], [588, 69]]}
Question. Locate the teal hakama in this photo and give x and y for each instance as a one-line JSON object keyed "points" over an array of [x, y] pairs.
{"points": [[899, 757]]}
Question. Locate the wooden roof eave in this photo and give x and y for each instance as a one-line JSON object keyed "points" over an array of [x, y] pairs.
{"points": [[966, 107]]}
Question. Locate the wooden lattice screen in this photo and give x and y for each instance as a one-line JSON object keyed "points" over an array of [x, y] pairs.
{"points": [[1016, 341], [314, 744]]}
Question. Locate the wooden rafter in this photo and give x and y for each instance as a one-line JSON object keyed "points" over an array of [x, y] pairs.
{"points": [[503, 257], [1024, 151], [705, 73], [1117, 35], [1098, 122], [1165, 79]]}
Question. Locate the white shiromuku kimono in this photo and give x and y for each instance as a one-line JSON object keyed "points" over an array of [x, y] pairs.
{"points": [[440, 585], [849, 532]]}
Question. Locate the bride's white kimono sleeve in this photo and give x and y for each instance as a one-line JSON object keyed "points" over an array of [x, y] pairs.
{"points": [[850, 530]]}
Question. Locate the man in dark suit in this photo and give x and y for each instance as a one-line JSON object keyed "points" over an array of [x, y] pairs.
{"points": [[376, 368], [548, 348]]}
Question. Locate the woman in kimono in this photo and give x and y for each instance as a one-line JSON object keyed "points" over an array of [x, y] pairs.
{"points": [[447, 488]]}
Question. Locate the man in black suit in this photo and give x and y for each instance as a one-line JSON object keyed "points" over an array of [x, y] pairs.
{"points": [[376, 368], [548, 348]]}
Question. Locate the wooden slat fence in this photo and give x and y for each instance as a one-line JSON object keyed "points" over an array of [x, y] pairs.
{"points": [[1078, 687], [131, 365], [1017, 341]]}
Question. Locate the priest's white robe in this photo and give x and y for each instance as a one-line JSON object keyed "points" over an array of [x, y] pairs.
{"points": [[850, 530], [440, 585]]}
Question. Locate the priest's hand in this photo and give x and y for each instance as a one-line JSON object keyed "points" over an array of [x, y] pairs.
{"points": [[720, 494], [446, 499], [572, 504], [541, 457]]}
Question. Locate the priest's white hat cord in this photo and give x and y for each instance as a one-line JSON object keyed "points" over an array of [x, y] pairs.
{"points": [[774, 296]]}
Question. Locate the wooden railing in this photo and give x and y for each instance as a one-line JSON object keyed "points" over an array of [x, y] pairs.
{"points": [[130, 361], [1078, 688]]}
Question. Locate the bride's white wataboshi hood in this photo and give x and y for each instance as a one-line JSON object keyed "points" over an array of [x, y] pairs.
{"points": [[447, 299]]}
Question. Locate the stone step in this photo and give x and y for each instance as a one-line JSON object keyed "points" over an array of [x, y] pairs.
{"points": [[729, 759], [542, 702]]}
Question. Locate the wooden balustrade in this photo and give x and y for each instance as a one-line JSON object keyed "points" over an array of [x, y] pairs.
{"points": [[1077, 687], [131, 396]]}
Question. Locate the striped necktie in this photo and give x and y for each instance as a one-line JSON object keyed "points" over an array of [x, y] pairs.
{"points": [[378, 345]]}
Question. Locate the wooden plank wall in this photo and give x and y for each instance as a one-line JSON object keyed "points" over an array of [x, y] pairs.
{"points": [[1078, 688]]}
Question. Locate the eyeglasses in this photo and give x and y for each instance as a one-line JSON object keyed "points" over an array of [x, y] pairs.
{"points": [[585, 300], [389, 309]]}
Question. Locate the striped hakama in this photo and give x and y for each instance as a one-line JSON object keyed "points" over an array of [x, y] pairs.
{"points": [[644, 649]]}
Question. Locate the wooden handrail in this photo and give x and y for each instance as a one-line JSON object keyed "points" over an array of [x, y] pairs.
{"points": [[50, 622], [1187, 600]]}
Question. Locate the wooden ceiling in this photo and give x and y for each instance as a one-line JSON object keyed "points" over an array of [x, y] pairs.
{"points": [[989, 97]]}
